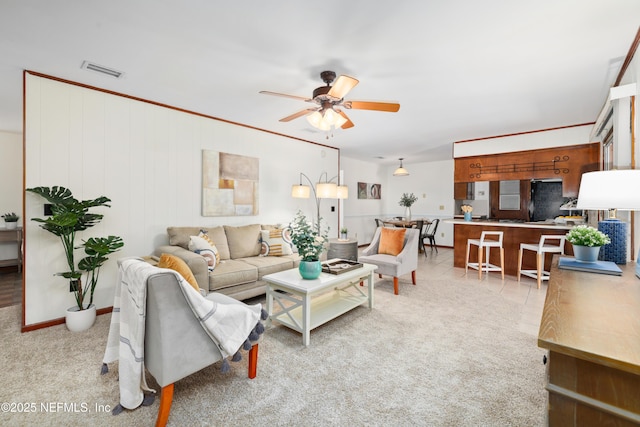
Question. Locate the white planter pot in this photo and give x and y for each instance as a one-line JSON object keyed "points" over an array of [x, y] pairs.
{"points": [[11, 225], [80, 320]]}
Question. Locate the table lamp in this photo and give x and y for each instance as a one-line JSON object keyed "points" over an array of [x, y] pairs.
{"points": [[612, 190]]}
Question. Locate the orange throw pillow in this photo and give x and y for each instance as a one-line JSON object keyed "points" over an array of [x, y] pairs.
{"points": [[177, 264], [391, 240]]}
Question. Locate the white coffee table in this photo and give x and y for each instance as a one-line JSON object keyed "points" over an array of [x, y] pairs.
{"points": [[307, 304]]}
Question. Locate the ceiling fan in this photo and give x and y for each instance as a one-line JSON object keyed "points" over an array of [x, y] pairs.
{"points": [[330, 99]]}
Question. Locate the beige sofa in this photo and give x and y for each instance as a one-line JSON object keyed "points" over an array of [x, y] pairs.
{"points": [[241, 268]]}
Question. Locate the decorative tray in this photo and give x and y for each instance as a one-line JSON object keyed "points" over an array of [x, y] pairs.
{"points": [[340, 266]]}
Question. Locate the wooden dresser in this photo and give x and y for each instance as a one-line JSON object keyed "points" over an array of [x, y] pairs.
{"points": [[591, 327]]}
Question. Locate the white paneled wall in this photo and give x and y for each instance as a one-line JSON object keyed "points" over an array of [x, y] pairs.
{"points": [[147, 159]]}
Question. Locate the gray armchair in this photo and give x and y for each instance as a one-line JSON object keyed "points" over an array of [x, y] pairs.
{"points": [[176, 344], [405, 262]]}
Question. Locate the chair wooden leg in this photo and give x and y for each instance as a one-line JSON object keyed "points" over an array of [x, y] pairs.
{"points": [[519, 264], [501, 262], [166, 398], [466, 265], [380, 276], [395, 285], [480, 262], [253, 361], [540, 261], [413, 277]]}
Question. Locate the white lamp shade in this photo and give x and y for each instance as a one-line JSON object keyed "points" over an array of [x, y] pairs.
{"points": [[614, 189], [326, 190], [300, 191], [342, 192], [401, 172], [314, 118]]}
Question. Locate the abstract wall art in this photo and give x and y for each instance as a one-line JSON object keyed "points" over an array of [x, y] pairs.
{"points": [[229, 184], [369, 191]]}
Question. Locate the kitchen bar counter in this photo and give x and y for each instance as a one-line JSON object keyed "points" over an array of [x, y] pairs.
{"points": [[514, 234], [513, 223]]}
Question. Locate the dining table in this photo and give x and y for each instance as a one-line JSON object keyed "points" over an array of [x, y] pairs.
{"points": [[412, 223]]}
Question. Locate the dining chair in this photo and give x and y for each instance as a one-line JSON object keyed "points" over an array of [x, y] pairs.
{"points": [[430, 234]]}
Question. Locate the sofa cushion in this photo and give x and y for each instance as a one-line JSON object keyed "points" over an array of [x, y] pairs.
{"points": [[268, 265], [391, 240], [231, 273], [178, 265], [243, 241], [180, 236], [276, 242], [202, 245]]}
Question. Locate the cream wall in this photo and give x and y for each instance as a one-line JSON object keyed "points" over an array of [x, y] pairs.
{"points": [[432, 182], [147, 159], [10, 184]]}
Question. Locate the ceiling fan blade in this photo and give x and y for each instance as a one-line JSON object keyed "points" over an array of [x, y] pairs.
{"points": [[348, 124], [298, 114], [342, 86], [390, 107], [284, 95]]}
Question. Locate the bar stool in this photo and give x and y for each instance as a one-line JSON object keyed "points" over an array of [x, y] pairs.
{"points": [[541, 248], [494, 242]]}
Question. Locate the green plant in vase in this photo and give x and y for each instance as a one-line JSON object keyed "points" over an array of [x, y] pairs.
{"points": [[310, 240], [586, 242], [68, 217]]}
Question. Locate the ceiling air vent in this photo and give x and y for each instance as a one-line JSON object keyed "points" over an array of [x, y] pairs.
{"points": [[101, 69]]}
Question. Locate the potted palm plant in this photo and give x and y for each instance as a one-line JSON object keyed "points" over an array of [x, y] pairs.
{"points": [[310, 241], [68, 217]]}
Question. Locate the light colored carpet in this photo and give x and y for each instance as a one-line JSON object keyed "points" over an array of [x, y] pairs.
{"points": [[444, 352]]}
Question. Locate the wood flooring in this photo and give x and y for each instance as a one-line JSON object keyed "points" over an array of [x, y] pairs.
{"points": [[10, 287]]}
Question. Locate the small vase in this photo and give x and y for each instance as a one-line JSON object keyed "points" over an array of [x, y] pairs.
{"points": [[310, 270], [407, 213], [586, 253], [467, 216], [343, 236]]}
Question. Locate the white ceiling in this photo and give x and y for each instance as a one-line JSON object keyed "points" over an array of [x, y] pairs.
{"points": [[460, 69]]}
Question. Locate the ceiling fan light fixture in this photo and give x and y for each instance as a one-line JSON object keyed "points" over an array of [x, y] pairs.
{"points": [[401, 171]]}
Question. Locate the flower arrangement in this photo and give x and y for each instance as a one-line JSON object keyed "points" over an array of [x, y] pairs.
{"points": [[307, 237], [407, 200], [344, 230], [583, 235], [466, 208]]}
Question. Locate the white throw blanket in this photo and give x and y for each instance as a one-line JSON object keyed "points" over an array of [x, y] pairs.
{"points": [[228, 325]]}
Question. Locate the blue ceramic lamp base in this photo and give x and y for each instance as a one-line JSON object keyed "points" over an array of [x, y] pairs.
{"points": [[616, 251]]}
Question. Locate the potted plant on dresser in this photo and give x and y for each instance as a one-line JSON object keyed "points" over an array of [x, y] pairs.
{"points": [[310, 241], [586, 242], [11, 220], [68, 217]]}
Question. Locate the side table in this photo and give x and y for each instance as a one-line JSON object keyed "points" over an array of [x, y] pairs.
{"points": [[12, 236], [343, 249]]}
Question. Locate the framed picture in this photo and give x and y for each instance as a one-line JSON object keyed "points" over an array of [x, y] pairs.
{"points": [[229, 184], [369, 191]]}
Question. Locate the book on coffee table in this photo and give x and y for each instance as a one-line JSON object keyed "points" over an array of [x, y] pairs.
{"points": [[602, 267]]}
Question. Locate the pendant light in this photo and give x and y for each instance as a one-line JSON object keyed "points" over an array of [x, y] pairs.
{"points": [[401, 171]]}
